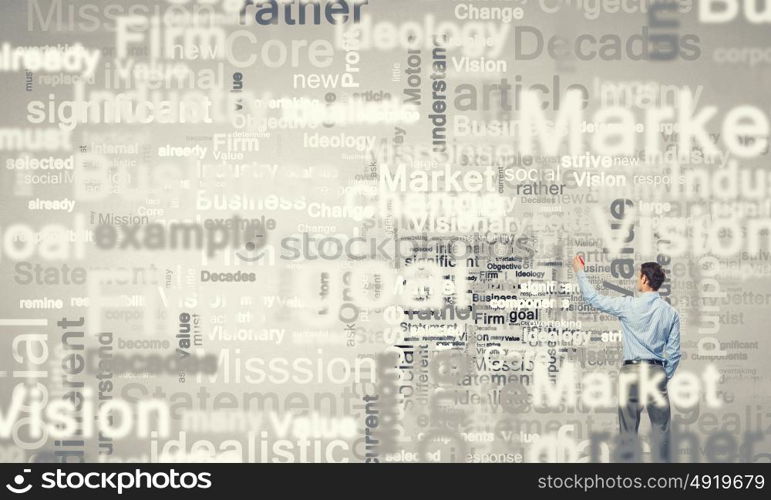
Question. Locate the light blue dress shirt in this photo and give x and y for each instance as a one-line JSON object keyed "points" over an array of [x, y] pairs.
{"points": [[651, 327]]}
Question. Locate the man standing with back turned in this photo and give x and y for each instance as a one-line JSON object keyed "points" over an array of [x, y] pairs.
{"points": [[651, 334]]}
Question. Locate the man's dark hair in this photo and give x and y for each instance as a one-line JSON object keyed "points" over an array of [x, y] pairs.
{"points": [[654, 273]]}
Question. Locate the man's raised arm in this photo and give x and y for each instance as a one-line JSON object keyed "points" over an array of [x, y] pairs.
{"points": [[610, 305]]}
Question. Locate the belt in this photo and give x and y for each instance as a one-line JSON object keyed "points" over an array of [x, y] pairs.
{"points": [[638, 361]]}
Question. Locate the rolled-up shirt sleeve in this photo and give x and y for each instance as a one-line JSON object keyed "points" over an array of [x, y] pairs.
{"points": [[672, 349], [610, 305]]}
